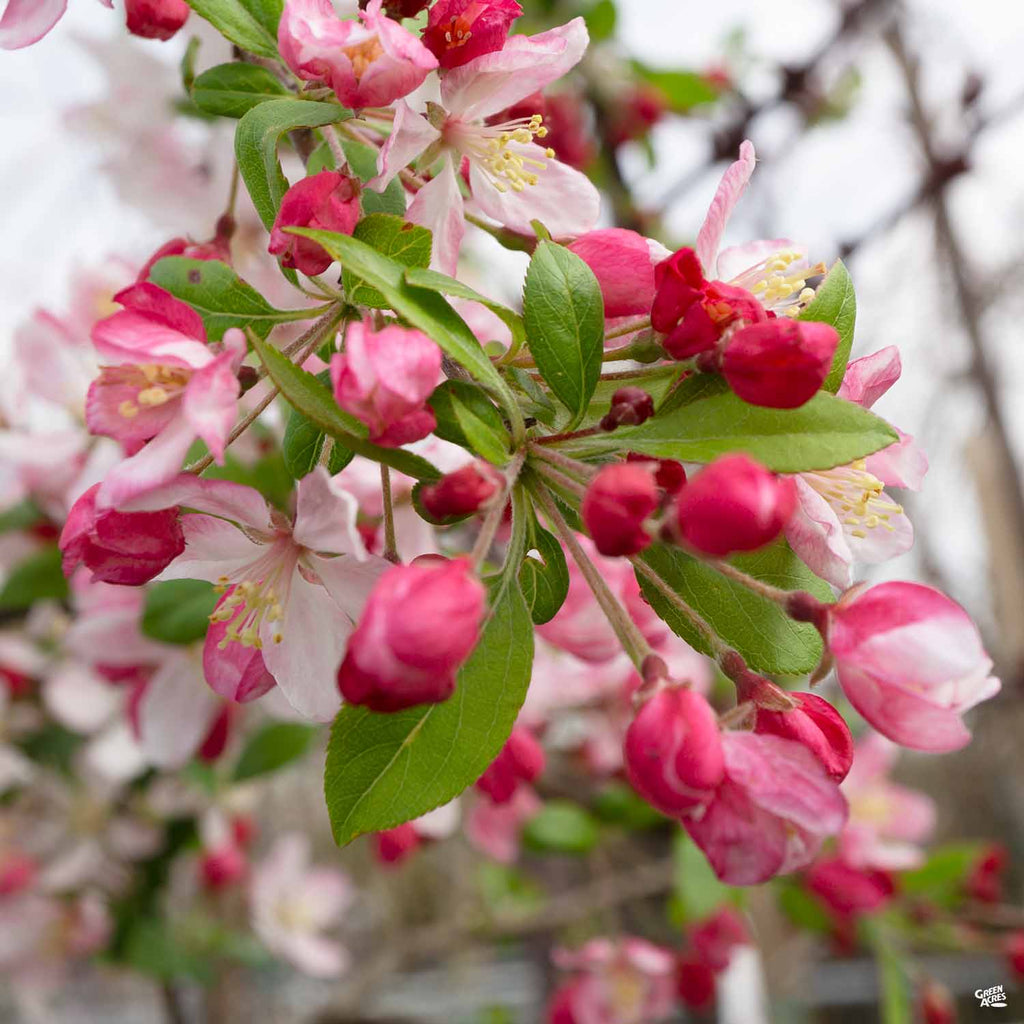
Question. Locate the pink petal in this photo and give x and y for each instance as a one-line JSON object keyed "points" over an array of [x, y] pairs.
{"points": [[80, 700], [902, 464], [564, 200], [623, 263], [735, 261], [175, 713], [210, 400], [439, 207], [214, 548], [730, 189], [349, 581], [495, 81], [816, 535], [131, 337], [325, 517], [314, 955], [26, 21], [882, 543], [223, 498], [410, 135], [868, 378]]}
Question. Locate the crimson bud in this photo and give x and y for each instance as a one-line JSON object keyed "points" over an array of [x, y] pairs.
{"points": [[521, 760], [155, 19], [618, 501], [463, 492], [818, 726]]}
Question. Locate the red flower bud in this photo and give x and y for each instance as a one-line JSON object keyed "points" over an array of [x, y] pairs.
{"points": [[780, 363], [399, 9], [720, 306], [673, 751], [216, 739], [129, 548], [630, 407], [695, 982], [618, 501], [1014, 949], [985, 881], [848, 891], [218, 248], [734, 504], [818, 726], [521, 760], [155, 19], [715, 938], [420, 624], [669, 474], [222, 867], [17, 872], [327, 201], [462, 492], [393, 845], [459, 30], [936, 1004], [679, 283]]}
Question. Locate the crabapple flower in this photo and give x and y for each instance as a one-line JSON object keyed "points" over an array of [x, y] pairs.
{"points": [[26, 21], [368, 63], [888, 822], [384, 379], [292, 591], [463, 492], [771, 813], [733, 504], [292, 904], [459, 30], [521, 761], [511, 178], [911, 661], [420, 624], [629, 981], [617, 503], [843, 515], [119, 547], [155, 19], [818, 726], [161, 383], [496, 829], [327, 201], [846, 890], [673, 751], [623, 263]]}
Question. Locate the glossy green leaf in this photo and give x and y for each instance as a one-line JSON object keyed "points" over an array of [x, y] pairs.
{"points": [[220, 296], [231, 90], [307, 394], [250, 24], [420, 307], [38, 578], [683, 90], [835, 304], [273, 747], [304, 442], [803, 908], [942, 878], [825, 432], [256, 139], [457, 290], [561, 826], [766, 637], [544, 576], [393, 237], [384, 769], [467, 417], [178, 611], [564, 315]]}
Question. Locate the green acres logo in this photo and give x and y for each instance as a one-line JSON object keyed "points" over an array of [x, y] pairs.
{"points": [[994, 996]]}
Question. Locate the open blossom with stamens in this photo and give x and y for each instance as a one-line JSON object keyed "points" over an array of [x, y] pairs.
{"points": [[843, 515], [511, 178], [161, 386], [289, 605], [368, 63]]}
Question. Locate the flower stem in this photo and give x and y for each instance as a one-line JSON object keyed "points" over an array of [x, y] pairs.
{"points": [[560, 479], [496, 512], [334, 145], [571, 436], [573, 467], [629, 328], [390, 543], [632, 640]]}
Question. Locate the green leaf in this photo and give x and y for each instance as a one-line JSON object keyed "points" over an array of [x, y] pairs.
{"points": [[683, 90], [362, 159], [178, 611], [272, 748], [697, 891], [467, 417], [249, 24], [766, 637], [304, 442], [601, 18], [825, 432], [421, 307], [617, 804], [188, 63], [803, 908], [231, 90], [220, 296], [941, 878], [562, 827], [256, 140], [564, 316], [544, 576], [20, 516], [835, 304], [405, 243], [893, 975], [38, 578], [269, 475], [383, 770], [305, 393], [456, 289]]}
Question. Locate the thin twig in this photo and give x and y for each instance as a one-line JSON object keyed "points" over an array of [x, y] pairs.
{"points": [[496, 512], [390, 543]]}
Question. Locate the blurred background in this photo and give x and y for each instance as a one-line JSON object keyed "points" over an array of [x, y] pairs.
{"points": [[888, 134]]}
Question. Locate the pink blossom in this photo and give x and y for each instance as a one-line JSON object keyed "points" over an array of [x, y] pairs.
{"points": [[459, 30], [26, 21], [160, 387], [368, 63], [521, 761], [628, 981], [293, 590], [511, 178], [771, 814], [623, 263], [496, 829], [384, 378], [911, 661], [815, 724], [293, 903]]}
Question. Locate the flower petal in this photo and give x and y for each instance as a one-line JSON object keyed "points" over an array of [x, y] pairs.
{"points": [[26, 21], [214, 548], [730, 189], [902, 464], [868, 378], [175, 713], [223, 498], [411, 133], [439, 207], [816, 535], [211, 398], [325, 516]]}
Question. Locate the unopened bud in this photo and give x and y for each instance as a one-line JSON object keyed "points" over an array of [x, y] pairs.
{"points": [[155, 19], [463, 492], [616, 506], [630, 407], [521, 761], [813, 722]]}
